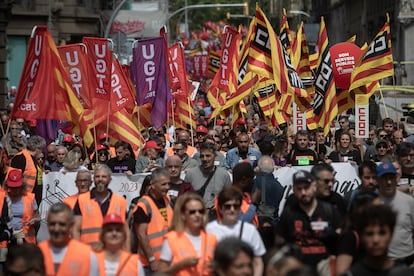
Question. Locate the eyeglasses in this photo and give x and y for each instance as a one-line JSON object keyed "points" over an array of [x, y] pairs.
{"points": [[200, 211], [102, 153], [229, 206], [327, 180], [226, 130], [383, 136]]}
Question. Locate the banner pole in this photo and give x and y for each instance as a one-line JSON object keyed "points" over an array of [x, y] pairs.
{"points": [[107, 120], [383, 102]]}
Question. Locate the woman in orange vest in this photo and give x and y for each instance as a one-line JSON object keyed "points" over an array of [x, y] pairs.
{"points": [[24, 208], [113, 260], [187, 249]]}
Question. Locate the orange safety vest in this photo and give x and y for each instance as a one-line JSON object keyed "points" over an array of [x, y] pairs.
{"points": [[157, 227], [71, 200], [92, 218], [76, 261], [28, 211], [182, 248], [127, 262], [30, 171]]}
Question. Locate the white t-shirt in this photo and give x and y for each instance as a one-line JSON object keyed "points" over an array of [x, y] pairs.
{"points": [[166, 254], [250, 235]]}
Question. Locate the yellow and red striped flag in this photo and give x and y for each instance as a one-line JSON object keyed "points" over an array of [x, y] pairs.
{"points": [[376, 61]]}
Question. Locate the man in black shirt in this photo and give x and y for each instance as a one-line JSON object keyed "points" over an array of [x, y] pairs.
{"points": [[122, 163], [325, 179], [308, 222], [301, 154]]}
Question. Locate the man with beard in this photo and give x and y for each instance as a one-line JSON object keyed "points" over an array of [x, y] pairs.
{"points": [[308, 222], [64, 255], [243, 153], [405, 154], [207, 179], [91, 207]]}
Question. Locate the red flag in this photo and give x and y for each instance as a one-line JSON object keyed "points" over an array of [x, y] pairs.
{"points": [[200, 66], [44, 89], [122, 93], [74, 58], [99, 66], [177, 70]]}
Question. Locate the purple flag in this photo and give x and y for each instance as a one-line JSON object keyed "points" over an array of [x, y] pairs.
{"points": [[149, 74]]}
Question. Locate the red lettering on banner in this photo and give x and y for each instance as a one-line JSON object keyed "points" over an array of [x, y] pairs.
{"points": [[362, 117]]}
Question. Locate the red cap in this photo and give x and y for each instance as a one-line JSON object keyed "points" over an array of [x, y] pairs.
{"points": [[220, 122], [103, 136], [112, 219], [240, 121], [101, 147], [151, 145], [202, 129], [200, 103], [68, 139], [15, 178]]}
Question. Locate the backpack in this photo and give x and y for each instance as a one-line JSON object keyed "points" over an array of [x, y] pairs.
{"points": [[267, 214]]}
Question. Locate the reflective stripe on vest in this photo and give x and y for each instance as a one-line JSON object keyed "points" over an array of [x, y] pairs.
{"points": [[157, 227], [28, 213], [92, 218]]}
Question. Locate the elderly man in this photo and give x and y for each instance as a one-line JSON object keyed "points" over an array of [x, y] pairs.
{"points": [[83, 183], [64, 255], [26, 162], [91, 207], [60, 153]]}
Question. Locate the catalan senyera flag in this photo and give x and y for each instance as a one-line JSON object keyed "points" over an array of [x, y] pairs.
{"points": [[184, 110], [99, 66], [376, 61], [45, 90], [213, 63], [143, 116], [266, 97], [300, 61], [325, 106], [74, 58], [285, 34], [225, 81]]}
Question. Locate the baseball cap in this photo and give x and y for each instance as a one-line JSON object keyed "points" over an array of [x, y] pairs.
{"points": [[112, 219], [201, 129], [240, 121], [151, 145], [68, 139], [385, 168], [15, 178], [220, 122], [303, 177], [101, 147]]}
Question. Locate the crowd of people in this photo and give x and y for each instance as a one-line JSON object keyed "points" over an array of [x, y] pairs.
{"points": [[210, 203]]}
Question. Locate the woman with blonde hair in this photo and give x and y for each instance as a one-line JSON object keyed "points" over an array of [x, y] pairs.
{"points": [[113, 259], [73, 162], [187, 249]]}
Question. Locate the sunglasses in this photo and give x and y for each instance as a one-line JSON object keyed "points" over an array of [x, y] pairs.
{"points": [[229, 206], [328, 180], [226, 130], [383, 136], [200, 211], [102, 153]]}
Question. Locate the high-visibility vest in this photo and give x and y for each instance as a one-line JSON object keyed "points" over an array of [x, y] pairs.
{"points": [[128, 263], [28, 212], [77, 259], [157, 227], [190, 151], [71, 200], [182, 248], [92, 217], [30, 171]]}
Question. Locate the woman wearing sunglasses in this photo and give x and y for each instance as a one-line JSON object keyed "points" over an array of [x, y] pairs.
{"points": [[187, 249], [229, 225]]}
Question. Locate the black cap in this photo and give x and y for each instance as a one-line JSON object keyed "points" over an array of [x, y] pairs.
{"points": [[303, 177]]}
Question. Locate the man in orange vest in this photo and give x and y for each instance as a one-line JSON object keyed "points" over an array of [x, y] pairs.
{"points": [[26, 162], [69, 256], [91, 207], [83, 182], [152, 218]]}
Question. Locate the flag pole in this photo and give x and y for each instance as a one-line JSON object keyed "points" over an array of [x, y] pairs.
{"points": [[395, 100], [191, 119], [383, 102], [94, 135], [107, 119]]}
